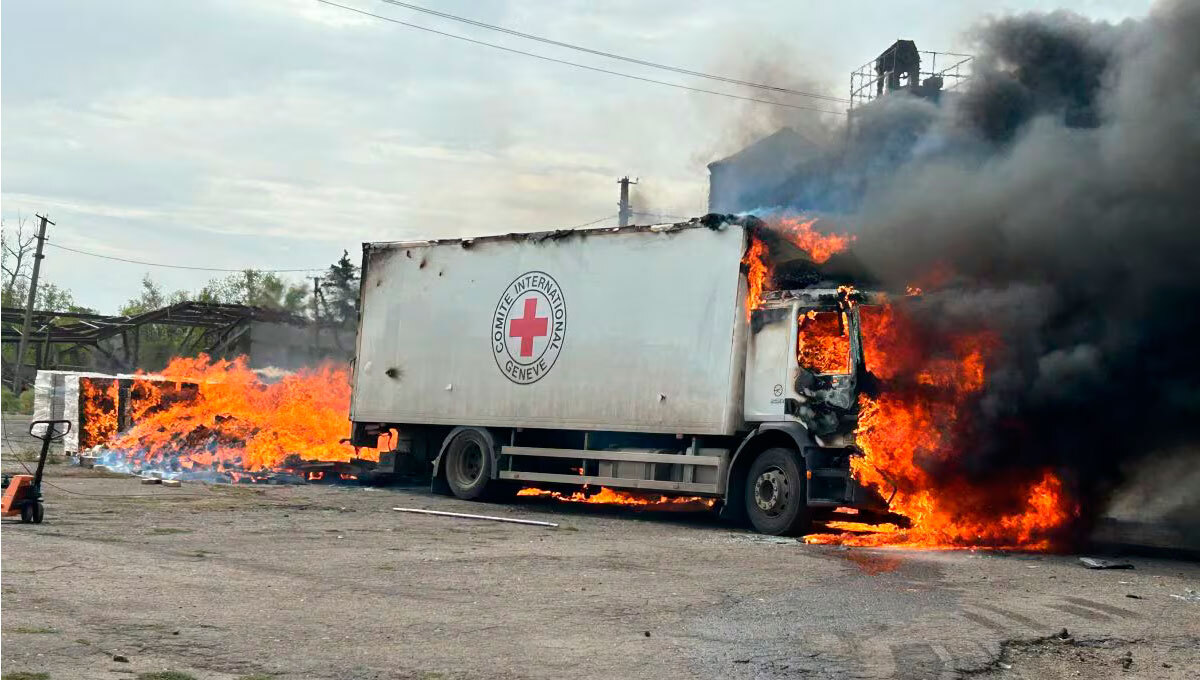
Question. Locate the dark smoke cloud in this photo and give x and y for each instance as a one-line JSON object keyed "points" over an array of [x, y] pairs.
{"points": [[1064, 197], [1061, 192]]}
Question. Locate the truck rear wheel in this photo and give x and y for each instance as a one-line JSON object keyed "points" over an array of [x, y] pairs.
{"points": [[468, 465], [776, 498]]}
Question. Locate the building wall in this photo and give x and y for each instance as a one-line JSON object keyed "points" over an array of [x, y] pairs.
{"points": [[290, 347]]}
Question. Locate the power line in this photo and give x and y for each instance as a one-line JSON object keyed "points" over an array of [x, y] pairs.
{"points": [[670, 217], [256, 269], [588, 224], [610, 55], [578, 65], [178, 266]]}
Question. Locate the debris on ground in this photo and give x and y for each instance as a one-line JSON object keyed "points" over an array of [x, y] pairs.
{"points": [[490, 518], [1189, 595], [1097, 563]]}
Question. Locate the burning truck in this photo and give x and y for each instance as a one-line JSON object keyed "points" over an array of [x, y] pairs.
{"points": [[646, 358]]}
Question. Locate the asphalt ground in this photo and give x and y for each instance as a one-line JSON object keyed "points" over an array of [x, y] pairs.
{"points": [[299, 582]]}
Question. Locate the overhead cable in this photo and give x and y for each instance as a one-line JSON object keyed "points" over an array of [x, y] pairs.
{"points": [[578, 65]]}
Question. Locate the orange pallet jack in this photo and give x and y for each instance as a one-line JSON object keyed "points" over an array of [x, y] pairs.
{"points": [[23, 493]]}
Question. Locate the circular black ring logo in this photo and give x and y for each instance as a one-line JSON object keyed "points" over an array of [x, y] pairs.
{"points": [[529, 327]]}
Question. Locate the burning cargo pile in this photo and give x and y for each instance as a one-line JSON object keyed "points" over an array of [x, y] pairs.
{"points": [[219, 421]]}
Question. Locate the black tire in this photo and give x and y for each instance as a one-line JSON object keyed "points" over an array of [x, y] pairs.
{"points": [[468, 465], [39, 512], [776, 497], [26, 513]]}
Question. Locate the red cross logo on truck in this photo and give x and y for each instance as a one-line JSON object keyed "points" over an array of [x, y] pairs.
{"points": [[529, 327]]}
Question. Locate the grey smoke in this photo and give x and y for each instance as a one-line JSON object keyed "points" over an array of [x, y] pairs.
{"points": [[1064, 199]]}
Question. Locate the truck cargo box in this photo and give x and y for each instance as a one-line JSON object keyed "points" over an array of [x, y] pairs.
{"points": [[636, 329]]}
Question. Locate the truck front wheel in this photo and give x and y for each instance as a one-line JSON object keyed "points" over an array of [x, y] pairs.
{"points": [[468, 465], [776, 498]]}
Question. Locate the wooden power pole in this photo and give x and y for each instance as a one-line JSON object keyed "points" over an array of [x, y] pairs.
{"points": [[316, 312], [23, 343], [624, 209]]}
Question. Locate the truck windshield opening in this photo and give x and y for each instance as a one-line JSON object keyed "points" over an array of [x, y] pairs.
{"points": [[824, 342]]}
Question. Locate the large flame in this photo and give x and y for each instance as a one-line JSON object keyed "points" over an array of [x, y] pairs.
{"points": [[217, 415], [820, 247], [824, 342], [919, 423], [98, 401], [758, 270], [800, 233]]}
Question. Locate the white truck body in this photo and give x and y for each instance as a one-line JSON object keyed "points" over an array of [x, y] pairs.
{"points": [[637, 329]]}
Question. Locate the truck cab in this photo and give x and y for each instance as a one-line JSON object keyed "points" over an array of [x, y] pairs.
{"points": [[804, 366]]}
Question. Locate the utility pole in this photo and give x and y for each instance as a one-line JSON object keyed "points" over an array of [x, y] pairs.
{"points": [[316, 312], [624, 209], [33, 281]]}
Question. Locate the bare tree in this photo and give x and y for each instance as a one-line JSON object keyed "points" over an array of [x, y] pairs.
{"points": [[16, 257]]}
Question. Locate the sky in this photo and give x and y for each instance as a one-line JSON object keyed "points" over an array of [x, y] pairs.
{"points": [[273, 134]]}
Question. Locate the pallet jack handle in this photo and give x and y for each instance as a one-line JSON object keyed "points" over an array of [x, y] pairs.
{"points": [[50, 434]]}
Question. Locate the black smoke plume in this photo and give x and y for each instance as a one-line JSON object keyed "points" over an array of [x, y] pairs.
{"points": [[1060, 195]]}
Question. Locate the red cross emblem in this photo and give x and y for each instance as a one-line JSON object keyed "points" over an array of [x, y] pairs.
{"points": [[529, 327], [527, 330]]}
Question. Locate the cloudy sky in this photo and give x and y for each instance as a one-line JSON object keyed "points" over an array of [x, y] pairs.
{"points": [[275, 133]]}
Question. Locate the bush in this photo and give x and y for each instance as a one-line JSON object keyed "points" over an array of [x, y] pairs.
{"points": [[14, 404]]}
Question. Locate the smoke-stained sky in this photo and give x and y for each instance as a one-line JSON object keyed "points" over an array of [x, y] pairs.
{"points": [[275, 133]]}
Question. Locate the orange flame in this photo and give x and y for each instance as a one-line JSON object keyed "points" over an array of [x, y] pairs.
{"points": [[757, 271], [916, 422], [824, 344], [233, 420], [820, 247], [98, 401], [607, 496]]}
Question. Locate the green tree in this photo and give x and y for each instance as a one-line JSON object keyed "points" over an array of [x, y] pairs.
{"points": [[258, 289], [339, 288]]}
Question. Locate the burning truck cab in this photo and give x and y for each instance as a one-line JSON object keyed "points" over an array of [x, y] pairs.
{"points": [[645, 359]]}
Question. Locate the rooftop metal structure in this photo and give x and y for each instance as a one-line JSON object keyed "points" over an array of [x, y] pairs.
{"points": [[220, 326], [902, 67]]}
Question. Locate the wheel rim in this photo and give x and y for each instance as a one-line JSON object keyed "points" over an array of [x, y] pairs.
{"points": [[772, 492], [468, 464]]}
